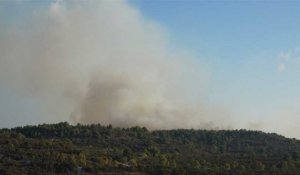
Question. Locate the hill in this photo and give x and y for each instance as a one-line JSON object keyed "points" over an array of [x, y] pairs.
{"points": [[62, 148]]}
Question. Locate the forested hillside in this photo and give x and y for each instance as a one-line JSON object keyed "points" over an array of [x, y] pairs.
{"points": [[62, 148]]}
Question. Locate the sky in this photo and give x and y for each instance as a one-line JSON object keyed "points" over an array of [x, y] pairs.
{"points": [[252, 49], [162, 64]]}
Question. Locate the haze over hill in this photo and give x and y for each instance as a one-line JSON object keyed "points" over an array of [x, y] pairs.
{"points": [[114, 63], [102, 62]]}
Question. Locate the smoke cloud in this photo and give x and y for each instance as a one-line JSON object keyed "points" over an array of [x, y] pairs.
{"points": [[104, 62]]}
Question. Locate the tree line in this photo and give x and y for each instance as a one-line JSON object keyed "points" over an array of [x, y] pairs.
{"points": [[61, 148]]}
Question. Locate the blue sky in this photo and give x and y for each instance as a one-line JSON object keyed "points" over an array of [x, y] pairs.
{"points": [[243, 43], [250, 51]]}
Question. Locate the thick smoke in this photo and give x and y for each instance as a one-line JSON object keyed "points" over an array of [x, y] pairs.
{"points": [[103, 62]]}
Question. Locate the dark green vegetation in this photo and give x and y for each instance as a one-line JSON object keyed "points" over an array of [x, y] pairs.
{"points": [[61, 148]]}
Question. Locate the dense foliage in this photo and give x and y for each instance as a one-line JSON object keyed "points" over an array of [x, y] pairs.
{"points": [[62, 148]]}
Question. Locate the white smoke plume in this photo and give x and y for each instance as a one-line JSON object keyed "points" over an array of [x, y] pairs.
{"points": [[96, 61]]}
